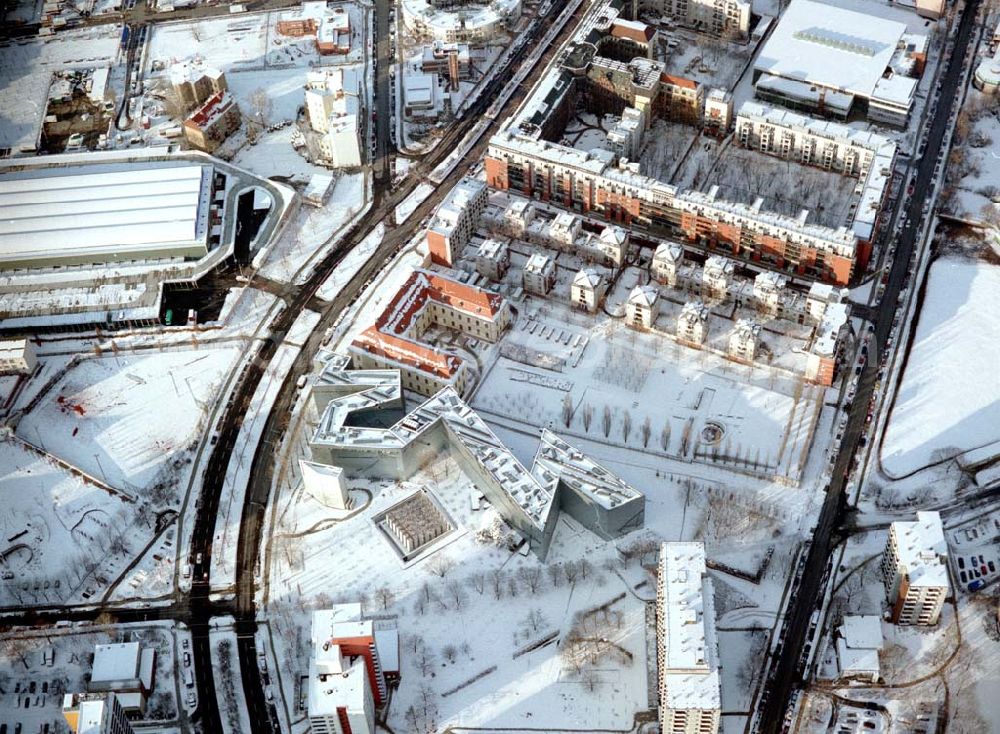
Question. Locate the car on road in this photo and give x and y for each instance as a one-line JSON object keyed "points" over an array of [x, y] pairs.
{"points": [[191, 698], [187, 660], [198, 559], [976, 585]]}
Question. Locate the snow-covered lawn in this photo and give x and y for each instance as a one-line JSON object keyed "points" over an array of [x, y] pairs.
{"points": [[130, 419], [598, 364], [273, 155], [54, 525], [946, 402], [315, 557]]}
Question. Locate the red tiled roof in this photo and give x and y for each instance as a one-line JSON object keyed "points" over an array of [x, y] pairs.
{"points": [[679, 81], [388, 336], [629, 31]]}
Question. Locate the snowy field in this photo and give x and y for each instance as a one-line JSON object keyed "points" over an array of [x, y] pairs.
{"points": [[273, 155], [944, 406], [254, 57], [130, 419], [59, 530]]}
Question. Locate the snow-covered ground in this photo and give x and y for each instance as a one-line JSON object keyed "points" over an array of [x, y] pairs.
{"points": [[273, 155], [130, 418], [351, 264], [411, 202], [945, 406], [315, 231]]}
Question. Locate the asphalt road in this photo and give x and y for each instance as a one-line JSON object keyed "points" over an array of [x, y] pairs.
{"points": [[785, 674]]}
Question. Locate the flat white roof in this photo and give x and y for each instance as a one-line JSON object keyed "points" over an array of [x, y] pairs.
{"points": [[75, 211], [920, 545], [116, 661], [837, 48], [691, 669]]}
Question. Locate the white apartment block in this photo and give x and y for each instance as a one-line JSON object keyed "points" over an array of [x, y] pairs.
{"points": [[743, 340], [718, 111], [565, 229], [17, 357], [666, 261], [493, 259], [625, 138], [455, 220], [339, 693], [687, 649], [769, 292], [539, 274], [588, 289], [915, 571], [333, 106], [95, 713], [642, 307], [518, 216], [692, 323], [719, 17], [716, 277]]}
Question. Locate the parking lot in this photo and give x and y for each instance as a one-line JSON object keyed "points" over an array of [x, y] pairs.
{"points": [[975, 552]]}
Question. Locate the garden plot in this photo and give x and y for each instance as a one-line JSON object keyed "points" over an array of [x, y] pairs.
{"points": [[665, 146], [787, 187], [943, 406], [130, 420], [640, 390], [975, 163], [446, 601], [31, 697]]}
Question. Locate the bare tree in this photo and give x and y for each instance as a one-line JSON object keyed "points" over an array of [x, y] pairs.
{"points": [[450, 652], [555, 574], [567, 409], [606, 421], [665, 435], [585, 568], [590, 680], [588, 416], [535, 620], [456, 593], [645, 430], [626, 425], [572, 572], [423, 658], [440, 566], [477, 580], [261, 107], [497, 578], [384, 596], [531, 577]]}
